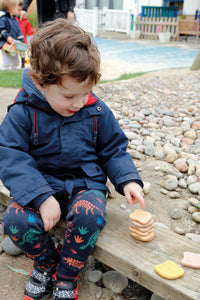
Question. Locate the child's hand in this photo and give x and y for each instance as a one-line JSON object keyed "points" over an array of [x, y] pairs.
{"points": [[133, 193], [23, 14], [70, 17], [50, 212], [10, 40]]}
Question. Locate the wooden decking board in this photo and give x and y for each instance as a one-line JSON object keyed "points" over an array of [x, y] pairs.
{"points": [[136, 260]]}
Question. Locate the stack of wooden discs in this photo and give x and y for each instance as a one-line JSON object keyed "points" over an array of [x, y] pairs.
{"points": [[141, 225]]}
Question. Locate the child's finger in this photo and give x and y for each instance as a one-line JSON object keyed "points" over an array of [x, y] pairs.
{"points": [[142, 202], [134, 199], [141, 199]]}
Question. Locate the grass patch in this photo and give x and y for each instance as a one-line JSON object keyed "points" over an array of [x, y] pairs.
{"points": [[11, 78], [123, 77]]}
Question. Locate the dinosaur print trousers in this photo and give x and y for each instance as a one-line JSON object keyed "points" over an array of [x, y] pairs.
{"points": [[85, 217]]}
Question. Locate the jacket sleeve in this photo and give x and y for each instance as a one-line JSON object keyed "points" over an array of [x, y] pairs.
{"points": [[18, 170], [3, 31], [26, 4], [66, 5], [72, 4], [112, 146]]}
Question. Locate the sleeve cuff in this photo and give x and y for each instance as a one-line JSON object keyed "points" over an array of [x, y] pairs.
{"points": [[40, 199]]}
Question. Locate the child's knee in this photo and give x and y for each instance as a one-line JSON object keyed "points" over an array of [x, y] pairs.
{"points": [[92, 220], [18, 219], [88, 210]]}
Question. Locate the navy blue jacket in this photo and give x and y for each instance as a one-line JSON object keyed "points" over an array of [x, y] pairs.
{"points": [[9, 27], [43, 153]]}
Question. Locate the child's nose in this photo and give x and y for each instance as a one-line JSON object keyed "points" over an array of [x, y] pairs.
{"points": [[80, 102]]}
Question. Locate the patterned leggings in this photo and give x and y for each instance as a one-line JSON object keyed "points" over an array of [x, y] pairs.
{"points": [[85, 219]]}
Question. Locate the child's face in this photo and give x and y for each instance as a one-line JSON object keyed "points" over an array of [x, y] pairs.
{"points": [[13, 10], [68, 98]]}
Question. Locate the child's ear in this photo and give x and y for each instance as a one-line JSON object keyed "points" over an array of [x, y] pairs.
{"points": [[38, 86]]}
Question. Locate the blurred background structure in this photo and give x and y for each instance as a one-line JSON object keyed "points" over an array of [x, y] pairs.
{"points": [[144, 19]]}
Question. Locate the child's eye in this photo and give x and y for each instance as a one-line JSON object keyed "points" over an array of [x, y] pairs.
{"points": [[68, 97]]}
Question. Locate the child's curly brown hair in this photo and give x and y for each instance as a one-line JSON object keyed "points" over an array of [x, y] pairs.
{"points": [[61, 49], [7, 4]]}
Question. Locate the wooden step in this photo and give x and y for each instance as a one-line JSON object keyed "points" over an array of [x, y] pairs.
{"points": [[136, 260]]}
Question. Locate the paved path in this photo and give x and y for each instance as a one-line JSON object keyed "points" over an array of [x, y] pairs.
{"points": [[144, 56]]}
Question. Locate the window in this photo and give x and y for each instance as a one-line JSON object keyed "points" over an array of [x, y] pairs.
{"points": [[110, 4]]}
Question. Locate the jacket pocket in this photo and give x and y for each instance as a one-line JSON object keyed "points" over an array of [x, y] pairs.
{"points": [[93, 170], [95, 177]]}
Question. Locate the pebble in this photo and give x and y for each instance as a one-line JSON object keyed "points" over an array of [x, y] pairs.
{"points": [[194, 201], [171, 157], [123, 206], [193, 236], [181, 164], [115, 281], [1, 229], [176, 213], [174, 195], [195, 188], [9, 247], [170, 184], [191, 179], [182, 183], [2, 207], [196, 217], [156, 297], [94, 276], [135, 154], [179, 230], [191, 169], [146, 187], [192, 209]]}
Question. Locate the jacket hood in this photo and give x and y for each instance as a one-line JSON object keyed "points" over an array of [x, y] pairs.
{"points": [[29, 86], [30, 90]]}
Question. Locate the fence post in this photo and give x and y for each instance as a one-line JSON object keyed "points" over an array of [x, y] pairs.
{"points": [[95, 21], [129, 22], [132, 22]]}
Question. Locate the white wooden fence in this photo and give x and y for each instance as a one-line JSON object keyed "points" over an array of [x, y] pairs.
{"points": [[108, 19], [88, 19], [117, 20]]}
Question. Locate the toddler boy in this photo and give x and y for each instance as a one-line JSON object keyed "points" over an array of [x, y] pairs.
{"points": [[58, 144]]}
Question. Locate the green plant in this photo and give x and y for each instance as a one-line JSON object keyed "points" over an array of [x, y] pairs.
{"points": [[33, 19]]}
